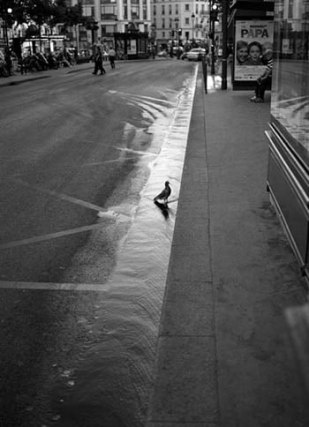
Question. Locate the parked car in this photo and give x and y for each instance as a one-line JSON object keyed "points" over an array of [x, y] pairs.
{"points": [[196, 54], [184, 55], [162, 54]]}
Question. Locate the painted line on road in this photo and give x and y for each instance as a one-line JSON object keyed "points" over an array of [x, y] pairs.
{"points": [[60, 196], [130, 150], [50, 286], [101, 287], [45, 237]]}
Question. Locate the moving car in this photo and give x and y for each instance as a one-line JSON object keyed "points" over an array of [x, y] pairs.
{"points": [[196, 54]]}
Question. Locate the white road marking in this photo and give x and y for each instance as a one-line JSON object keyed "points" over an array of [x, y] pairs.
{"points": [[49, 286], [45, 237], [59, 195]]}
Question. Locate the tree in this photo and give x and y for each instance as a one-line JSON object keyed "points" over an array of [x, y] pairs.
{"points": [[68, 16]]}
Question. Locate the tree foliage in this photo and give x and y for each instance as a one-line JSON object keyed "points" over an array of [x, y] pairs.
{"points": [[41, 12]]}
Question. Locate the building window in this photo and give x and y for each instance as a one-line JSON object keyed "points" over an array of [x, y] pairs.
{"points": [[187, 7], [163, 9], [154, 10], [108, 11], [163, 34], [163, 23], [170, 9], [176, 9], [290, 11], [171, 23], [88, 11], [187, 21]]}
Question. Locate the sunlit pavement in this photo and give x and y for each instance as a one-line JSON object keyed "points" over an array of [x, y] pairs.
{"points": [[222, 354]]}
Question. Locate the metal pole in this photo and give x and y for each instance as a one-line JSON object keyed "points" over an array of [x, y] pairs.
{"points": [[224, 42], [5, 33], [204, 65], [213, 47]]}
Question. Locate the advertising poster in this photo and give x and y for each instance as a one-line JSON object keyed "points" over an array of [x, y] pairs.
{"points": [[252, 39], [131, 47]]}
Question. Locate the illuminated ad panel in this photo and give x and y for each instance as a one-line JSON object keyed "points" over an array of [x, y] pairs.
{"points": [[252, 39]]}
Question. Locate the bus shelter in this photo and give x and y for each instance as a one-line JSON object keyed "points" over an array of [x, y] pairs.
{"points": [[252, 24]]}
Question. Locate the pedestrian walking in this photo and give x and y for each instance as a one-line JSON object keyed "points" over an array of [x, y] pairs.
{"points": [[8, 60], [111, 57], [265, 79], [98, 61]]}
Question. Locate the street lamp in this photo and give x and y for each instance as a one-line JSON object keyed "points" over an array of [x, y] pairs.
{"points": [[224, 43], [176, 29], [8, 15], [213, 16], [193, 18]]}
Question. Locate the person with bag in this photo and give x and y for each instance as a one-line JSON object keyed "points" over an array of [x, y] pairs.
{"points": [[112, 56], [98, 62]]}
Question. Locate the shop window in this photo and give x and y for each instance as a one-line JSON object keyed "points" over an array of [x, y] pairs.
{"points": [[290, 83]]}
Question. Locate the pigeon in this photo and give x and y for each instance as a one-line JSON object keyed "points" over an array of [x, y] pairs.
{"points": [[164, 195]]}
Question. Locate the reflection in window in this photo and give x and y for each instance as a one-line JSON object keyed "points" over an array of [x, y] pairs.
{"points": [[290, 86]]}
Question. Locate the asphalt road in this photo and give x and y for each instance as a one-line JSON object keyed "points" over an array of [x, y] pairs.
{"points": [[69, 150], [65, 137]]}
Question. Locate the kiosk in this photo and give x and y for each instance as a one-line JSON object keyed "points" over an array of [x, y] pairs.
{"points": [[132, 44]]}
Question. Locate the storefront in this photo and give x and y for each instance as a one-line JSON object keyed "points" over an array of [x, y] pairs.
{"points": [[288, 173]]}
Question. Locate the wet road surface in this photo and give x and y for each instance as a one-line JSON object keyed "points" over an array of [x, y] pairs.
{"points": [[84, 251]]}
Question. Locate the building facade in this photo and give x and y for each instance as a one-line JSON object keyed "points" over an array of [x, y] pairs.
{"points": [[117, 16], [180, 20], [164, 20]]}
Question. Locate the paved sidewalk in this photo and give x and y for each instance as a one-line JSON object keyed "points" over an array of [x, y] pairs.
{"points": [[18, 78], [223, 356]]}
